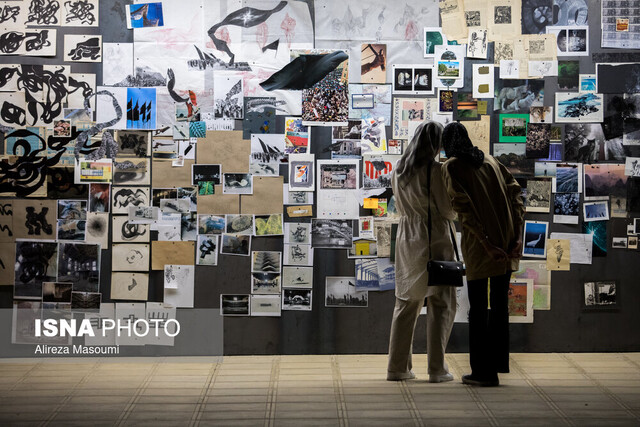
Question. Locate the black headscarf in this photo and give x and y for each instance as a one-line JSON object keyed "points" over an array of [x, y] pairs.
{"points": [[422, 149], [456, 142]]}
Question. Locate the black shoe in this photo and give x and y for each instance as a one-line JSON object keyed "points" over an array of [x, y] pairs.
{"points": [[471, 380]]}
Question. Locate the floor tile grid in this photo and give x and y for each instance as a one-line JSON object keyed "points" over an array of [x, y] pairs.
{"points": [[272, 393], [211, 378], [540, 391], [343, 419], [605, 390], [69, 394], [411, 404], [458, 373], [122, 419]]}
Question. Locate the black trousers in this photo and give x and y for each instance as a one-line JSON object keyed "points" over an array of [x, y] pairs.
{"points": [[489, 328]]}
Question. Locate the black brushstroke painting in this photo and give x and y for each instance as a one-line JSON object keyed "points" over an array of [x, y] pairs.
{"points": [[79, 11], [36, 262], [43, 12], [245, 17], [304, 71], [87, 49]]}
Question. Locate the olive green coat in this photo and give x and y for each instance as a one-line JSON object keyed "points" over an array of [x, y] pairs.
{"points": [[488, 203]]}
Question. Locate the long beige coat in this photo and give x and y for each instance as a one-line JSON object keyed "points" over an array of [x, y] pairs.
{"points": [[412, 241]]}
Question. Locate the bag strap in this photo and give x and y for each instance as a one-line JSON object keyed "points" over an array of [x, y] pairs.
{"points": [[453, 237]]}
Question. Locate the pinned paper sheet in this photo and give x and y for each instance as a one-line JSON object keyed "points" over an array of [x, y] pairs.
{"points": [[371, 203], [298, 211]]}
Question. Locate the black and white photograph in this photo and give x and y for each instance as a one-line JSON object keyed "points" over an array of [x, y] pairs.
{"points": [[143, 214], [56, 292], [423, 80], [207, 249], [266, 262], [296, 299], [237, 183], [345, 148], [233, 244], [189, 226], [538, 140], [85, 301], [297, 277], [338, 176], [536, 16], [297, 232], [382, 234], [619, 243], [79, 263], [566, 208], [124, 197], [352, 130], [267, 153], [632, 167], [265, 283], [234, 305], [331, 233], [596, 211], [296, 197], [228, 97], [205, 173], [124, 231], [402, 79], [179, 206], [517, 96], [240, 224], [265, 305], [341, 292], [600, 294], [35, 263], [538, 195], [297, 254], [618, 78]]}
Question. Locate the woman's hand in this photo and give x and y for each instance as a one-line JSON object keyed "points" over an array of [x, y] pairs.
{"points": [[516, 252], [496, 253]]}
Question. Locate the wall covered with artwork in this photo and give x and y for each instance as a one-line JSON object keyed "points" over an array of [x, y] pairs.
{"points": [[237, 156]]}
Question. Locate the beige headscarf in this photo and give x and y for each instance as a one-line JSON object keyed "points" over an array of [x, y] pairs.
{"points": [[424, 147]]}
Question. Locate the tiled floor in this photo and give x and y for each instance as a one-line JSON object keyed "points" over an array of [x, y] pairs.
{"points": [[543, 389]]}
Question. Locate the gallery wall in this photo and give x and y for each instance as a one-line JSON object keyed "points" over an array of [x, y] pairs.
{"points": [[567, 325]]}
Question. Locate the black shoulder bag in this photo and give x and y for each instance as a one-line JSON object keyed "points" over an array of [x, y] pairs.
{"points": [[443, 273]]}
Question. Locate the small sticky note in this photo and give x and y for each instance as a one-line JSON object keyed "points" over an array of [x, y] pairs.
{"points": [[371, 203]]}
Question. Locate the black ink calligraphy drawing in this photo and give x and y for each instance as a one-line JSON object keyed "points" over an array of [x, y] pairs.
{"points": [[123, 197], [43, 12], [28, 42], [82, 48], [81, 13], [9, 14], [6, 221]]}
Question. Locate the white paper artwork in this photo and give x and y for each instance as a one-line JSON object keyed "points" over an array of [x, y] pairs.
{"points": [[581, 246], [483, 76], [509, 69], [179, 282], [346, 24], [117, 64]]}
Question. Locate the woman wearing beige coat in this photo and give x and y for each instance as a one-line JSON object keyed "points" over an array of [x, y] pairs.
{"points": [[412, 196]]}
